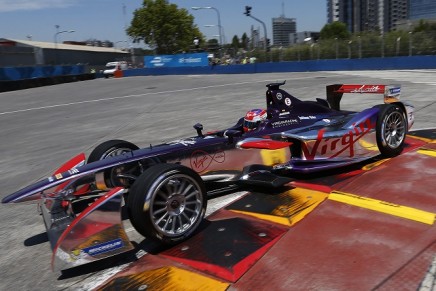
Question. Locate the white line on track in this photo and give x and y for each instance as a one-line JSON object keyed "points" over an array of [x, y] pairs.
{"points": [[135, 96], [121, 97]]}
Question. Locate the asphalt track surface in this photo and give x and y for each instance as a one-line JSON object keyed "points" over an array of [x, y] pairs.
{"points": [[43, 127]]}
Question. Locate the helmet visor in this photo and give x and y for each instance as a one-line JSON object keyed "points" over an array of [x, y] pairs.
{"points": [[250, 125]]}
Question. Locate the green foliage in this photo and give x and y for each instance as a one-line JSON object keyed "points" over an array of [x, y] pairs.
{"points": [[244, 41], [164, 27], [335, 30], [235, 42], [424, 26]]}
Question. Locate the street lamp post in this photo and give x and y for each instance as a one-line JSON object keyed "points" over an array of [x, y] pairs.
{"points": [[360, 46], [398, 45], [56, 39], [221, 37], [410, 43], [220, 30]]}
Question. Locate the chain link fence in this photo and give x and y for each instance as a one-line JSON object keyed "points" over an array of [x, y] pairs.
{"points": [[366, 46]]}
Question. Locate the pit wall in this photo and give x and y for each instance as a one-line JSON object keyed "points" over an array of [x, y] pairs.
{"points": [[392, 63]]}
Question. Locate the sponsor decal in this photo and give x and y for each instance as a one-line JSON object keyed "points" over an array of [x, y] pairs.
{"points": [[201, 160], [307, 117], [326, 120], [367, 89], [185, 142], [104, 247], [288, 101], [190, 60], [279, 96], [284, 113], [50, 179], [284, 122], [338, 145], [176, 60], [58, 176], [394, 91], [59, 219], [73, 171]]}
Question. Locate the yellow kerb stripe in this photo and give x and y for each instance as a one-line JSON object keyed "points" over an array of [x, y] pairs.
{"points": [[428, 152], [384, 207]]}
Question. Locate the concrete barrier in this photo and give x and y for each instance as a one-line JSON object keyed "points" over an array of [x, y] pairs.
{"points": [[392, 63]]}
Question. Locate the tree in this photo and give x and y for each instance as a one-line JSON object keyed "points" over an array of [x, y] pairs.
{"points": [[164, 26], [335, 30], [424, 26], [212, 44], [244, 41], [235, 42]]}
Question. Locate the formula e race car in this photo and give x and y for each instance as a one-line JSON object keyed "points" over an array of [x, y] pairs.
{"points": [[165, 187]]}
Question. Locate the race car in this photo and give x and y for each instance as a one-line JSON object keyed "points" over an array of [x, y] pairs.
{"points": [[165, 187]]}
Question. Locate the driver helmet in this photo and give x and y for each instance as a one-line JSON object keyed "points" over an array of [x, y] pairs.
{"points": [[253, 118]]}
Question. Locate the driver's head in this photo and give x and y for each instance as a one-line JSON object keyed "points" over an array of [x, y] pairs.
{"points": [[253, 118]]}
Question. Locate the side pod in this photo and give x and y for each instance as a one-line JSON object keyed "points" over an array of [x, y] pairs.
{"points": [[96, 233]]}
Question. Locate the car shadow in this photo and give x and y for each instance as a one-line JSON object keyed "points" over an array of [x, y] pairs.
{"points": [[36, 239]]}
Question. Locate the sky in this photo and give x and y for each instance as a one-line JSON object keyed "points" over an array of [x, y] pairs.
{"points": [[107, 19]]}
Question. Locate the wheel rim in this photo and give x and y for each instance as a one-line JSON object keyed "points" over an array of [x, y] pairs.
{"points": [[394, 129], [176, 205]]}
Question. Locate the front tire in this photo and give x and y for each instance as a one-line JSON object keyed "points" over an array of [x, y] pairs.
{"points": [[391, 130], [167, 203], [113, 148]]}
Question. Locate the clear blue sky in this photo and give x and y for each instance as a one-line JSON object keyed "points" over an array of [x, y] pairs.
{"points": [[105, 19]]}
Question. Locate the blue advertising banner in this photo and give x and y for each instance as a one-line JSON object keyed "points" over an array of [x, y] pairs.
{"points": [[179, 60]]}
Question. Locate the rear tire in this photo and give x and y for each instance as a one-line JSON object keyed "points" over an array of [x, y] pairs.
{"points": [[391, 130], [167, 203]]}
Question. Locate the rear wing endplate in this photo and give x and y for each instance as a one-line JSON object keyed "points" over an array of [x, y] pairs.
{"points": [[391, 93]]}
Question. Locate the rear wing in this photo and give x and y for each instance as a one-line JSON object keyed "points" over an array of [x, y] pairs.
{"points": [[391, 93]]}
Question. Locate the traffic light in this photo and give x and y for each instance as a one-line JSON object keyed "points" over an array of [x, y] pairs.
{"points": [[268, 44], [247, 10]]}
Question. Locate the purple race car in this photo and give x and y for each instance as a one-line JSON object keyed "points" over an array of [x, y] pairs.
{"points": [[165, 187]]}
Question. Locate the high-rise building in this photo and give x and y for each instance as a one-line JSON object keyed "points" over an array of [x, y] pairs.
{"points": [[396, 12], [282, 27], [341, 10], [368, 15], [422, 9]]}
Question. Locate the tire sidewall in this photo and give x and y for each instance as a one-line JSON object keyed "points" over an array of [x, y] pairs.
{"points": [[385, 111], [143, 192], [100, 151]]}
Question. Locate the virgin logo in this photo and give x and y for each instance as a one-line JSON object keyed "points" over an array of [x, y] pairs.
{"points": [[338, 145], [201, 160]]}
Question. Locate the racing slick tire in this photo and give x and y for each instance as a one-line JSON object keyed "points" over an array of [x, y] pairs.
{"points": [[167, 203], [391, 129], [112, 148]]}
